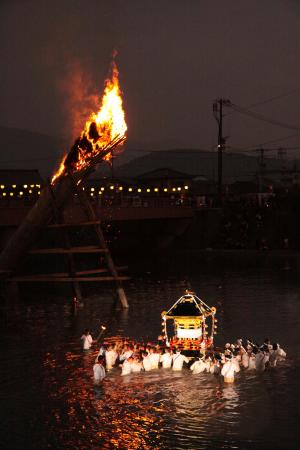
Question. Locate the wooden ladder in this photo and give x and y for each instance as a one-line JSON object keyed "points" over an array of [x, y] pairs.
{"points": [[72, 275]]}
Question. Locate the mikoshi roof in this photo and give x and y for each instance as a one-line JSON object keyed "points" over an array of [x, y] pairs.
{"points": [[190, 305]]}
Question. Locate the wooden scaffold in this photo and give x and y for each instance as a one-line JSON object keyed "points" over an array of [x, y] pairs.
{"points": [[48, 212]]}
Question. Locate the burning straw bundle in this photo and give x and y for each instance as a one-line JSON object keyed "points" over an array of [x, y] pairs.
{"points": [[105, 131]]}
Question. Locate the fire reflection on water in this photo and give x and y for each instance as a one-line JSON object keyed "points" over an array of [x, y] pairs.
{"points": [[52, 402], [118, 413], [137, 411]]}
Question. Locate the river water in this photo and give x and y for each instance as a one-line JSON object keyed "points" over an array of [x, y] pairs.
{"points": [[48, 399]]}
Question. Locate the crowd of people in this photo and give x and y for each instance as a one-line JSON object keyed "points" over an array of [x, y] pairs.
{"points": [[247, 224], [133, 357]]}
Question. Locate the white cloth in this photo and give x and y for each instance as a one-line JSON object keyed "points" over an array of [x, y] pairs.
{"points": [[178, 360], [87, 341], [215, 368], [207, 364], [228, 370], [236, 363], [126, 355], [198, 367], [183, 333], [260, 361], [245, 360], [126, 368], [99, 372], [166, 360], [154, 358], [101, 351], [281, 353], [252, 364], [212, 368], [136, 366], [110, 358], [147, 365], [275, 356]]}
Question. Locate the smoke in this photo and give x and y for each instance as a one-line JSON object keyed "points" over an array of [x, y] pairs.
{"points": [[79, 99]]}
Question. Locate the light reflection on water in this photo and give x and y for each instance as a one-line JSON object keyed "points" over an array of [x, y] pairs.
{"points": [[51, 402]]}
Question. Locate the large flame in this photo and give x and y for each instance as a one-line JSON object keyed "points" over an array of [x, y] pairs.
{"points": [[100, 130]]}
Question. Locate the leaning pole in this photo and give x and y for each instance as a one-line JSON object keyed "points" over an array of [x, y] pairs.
{"points": [[41, 213], [38, 217], [102, 133]]}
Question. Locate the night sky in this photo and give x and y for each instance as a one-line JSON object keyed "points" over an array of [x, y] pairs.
{"points": [[175, 57]]}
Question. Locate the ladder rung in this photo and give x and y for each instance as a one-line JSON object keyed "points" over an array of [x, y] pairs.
{"points": [[68, 279], [80, 224], [87, 249], [77, 273]]}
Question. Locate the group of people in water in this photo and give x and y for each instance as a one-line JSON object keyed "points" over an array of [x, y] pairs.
{"points": [[132, 357]]}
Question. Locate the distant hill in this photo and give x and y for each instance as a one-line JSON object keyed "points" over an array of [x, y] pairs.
{"points": [[22, 149], [198, 162]]}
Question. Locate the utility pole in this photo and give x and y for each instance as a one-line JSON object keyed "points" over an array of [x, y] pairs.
{"points": [[262, 166], [218, 115]]}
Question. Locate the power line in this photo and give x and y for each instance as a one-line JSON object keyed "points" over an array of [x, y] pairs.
{"points": [[262, 117], [268, 100], [259, 148], [272, 99], [273, 141]]}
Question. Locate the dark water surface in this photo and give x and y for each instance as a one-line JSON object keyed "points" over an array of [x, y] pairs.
{"points": [[48, 399]]}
